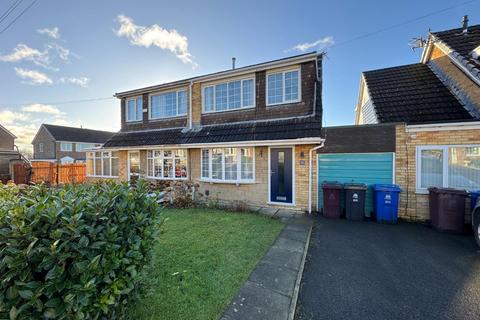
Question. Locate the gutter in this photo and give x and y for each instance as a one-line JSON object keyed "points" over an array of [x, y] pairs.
{"points": [[310, 155], [443, 126]]}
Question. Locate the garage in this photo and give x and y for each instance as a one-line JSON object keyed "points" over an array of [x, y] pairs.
{"points": [[357, 154]]}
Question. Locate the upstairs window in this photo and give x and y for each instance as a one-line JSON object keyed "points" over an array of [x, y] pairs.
{"points": [[134, 109], [40, 147], [84, 146], [228, 164], [167, 105], [66, 146], [448, 167], [283, 87], [231, 95]]}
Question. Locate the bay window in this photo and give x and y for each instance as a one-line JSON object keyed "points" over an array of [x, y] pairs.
{"points": [[167, 164], [102, 164], [134, 109], [231, 95], [169, 104], [228, 164], [448, 167], [283, 87]]}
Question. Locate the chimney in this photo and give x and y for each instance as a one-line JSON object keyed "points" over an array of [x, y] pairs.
{"points": [[233, 63], [465, 24]]}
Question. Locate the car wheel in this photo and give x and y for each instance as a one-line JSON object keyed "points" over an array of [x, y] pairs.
{"points": [[476, 226]]}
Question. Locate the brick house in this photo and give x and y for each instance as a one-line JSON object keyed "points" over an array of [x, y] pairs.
{"points": [[244, 134], [66, 144], [7, 153], [435, 108]]}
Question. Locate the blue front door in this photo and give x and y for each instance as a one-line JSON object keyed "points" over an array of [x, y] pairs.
{"points": [[281, 175]]}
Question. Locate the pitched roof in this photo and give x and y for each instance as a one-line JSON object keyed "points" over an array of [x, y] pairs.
{"points": [[462, 44], [61, 133], [412, 94], [294, 128], [7, 131]]}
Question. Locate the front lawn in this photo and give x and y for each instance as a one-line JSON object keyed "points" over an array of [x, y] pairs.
{"points": [[202, 258]]}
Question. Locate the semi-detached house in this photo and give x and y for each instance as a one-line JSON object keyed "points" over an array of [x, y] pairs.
{"points": [[243, 135]]}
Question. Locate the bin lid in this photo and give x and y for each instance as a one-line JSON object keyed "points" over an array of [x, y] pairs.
{"points": [[355, 186], [387, 187], [460, 192], [475, 193], [332, 185]]}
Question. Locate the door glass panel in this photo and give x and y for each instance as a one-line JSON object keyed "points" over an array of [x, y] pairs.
{"points": [[134, 159], [281, 173]]}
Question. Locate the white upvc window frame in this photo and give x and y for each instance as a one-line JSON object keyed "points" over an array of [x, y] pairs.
{"points": [[40, 147], [79, 146], [102, 158], [213, 85], [283, 71], [162, 157], [177, 115], [239, 179], [65, 143], [136, 109], [445, 170]]}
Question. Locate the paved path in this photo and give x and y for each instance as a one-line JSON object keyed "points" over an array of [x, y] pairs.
{"points": [[272, 288], [365, 270]]}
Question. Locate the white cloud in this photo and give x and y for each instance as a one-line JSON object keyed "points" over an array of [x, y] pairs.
{"points": [[81, 81], [23, 52], [155, 35], [41, 108], [33, 77], [52, 33], [318, 44], [10, 117]]}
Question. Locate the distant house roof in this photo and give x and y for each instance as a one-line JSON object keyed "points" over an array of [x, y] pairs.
{"points": [[294, 128], [412, 94], [462, 44], [71, 134], [7, 131]]}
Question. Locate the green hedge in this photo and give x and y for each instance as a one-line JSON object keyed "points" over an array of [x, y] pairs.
{"points": [[73, 252]]}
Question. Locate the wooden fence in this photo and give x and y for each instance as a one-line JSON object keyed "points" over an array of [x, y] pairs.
{"points": [[54, 173]]}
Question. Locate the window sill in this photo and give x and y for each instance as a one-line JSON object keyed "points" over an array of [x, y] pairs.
{"points": [[282, 103], [133, 121], [225, 182], [167, 118], [228, 110], [163, 178]]}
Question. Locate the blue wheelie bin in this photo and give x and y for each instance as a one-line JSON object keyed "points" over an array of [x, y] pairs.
{"points": [[474, 195], [386, 202]]}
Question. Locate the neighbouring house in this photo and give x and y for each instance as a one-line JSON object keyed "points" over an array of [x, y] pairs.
{"points": [[9, 154], [66, 144], [244, 135], [434, 108]]}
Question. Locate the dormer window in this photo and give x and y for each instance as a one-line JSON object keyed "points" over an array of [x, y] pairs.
{"points": [[283, 87], [231, 95], [134, 109], [169, 104]]}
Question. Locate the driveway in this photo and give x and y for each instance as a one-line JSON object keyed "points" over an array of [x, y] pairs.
{"points": [[365, 270]]}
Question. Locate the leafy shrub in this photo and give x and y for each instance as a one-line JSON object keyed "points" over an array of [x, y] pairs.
{"points": [[73, 252]]}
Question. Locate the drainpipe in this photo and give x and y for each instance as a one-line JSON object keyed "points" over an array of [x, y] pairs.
{"points": [[310, 155], [190, 122]]}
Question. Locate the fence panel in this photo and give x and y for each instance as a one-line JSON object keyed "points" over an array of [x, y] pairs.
{"points": [[53, 173]]}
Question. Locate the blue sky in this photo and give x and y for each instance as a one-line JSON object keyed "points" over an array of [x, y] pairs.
{"points": [[74, 50]]}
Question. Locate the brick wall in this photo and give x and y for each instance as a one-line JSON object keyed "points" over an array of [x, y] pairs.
{"points": [[48, 145], [414, 206], [462, 81], [6, 140]]}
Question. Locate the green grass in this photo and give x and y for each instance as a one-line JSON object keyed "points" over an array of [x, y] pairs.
{"points": [[202, 258]]}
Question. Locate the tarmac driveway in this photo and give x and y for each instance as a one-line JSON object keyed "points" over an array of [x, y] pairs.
{"points": [[365, 270]]}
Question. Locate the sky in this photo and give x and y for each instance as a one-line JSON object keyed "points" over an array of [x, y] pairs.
{"points": [[60, 52]]}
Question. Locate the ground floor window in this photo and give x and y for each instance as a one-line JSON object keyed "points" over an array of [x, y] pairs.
{"points": [[228, 164], [102, 164], [167, 164], [448, 166]]}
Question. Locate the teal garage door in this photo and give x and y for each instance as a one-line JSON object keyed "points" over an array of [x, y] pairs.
{"points": [[368, 168]]}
